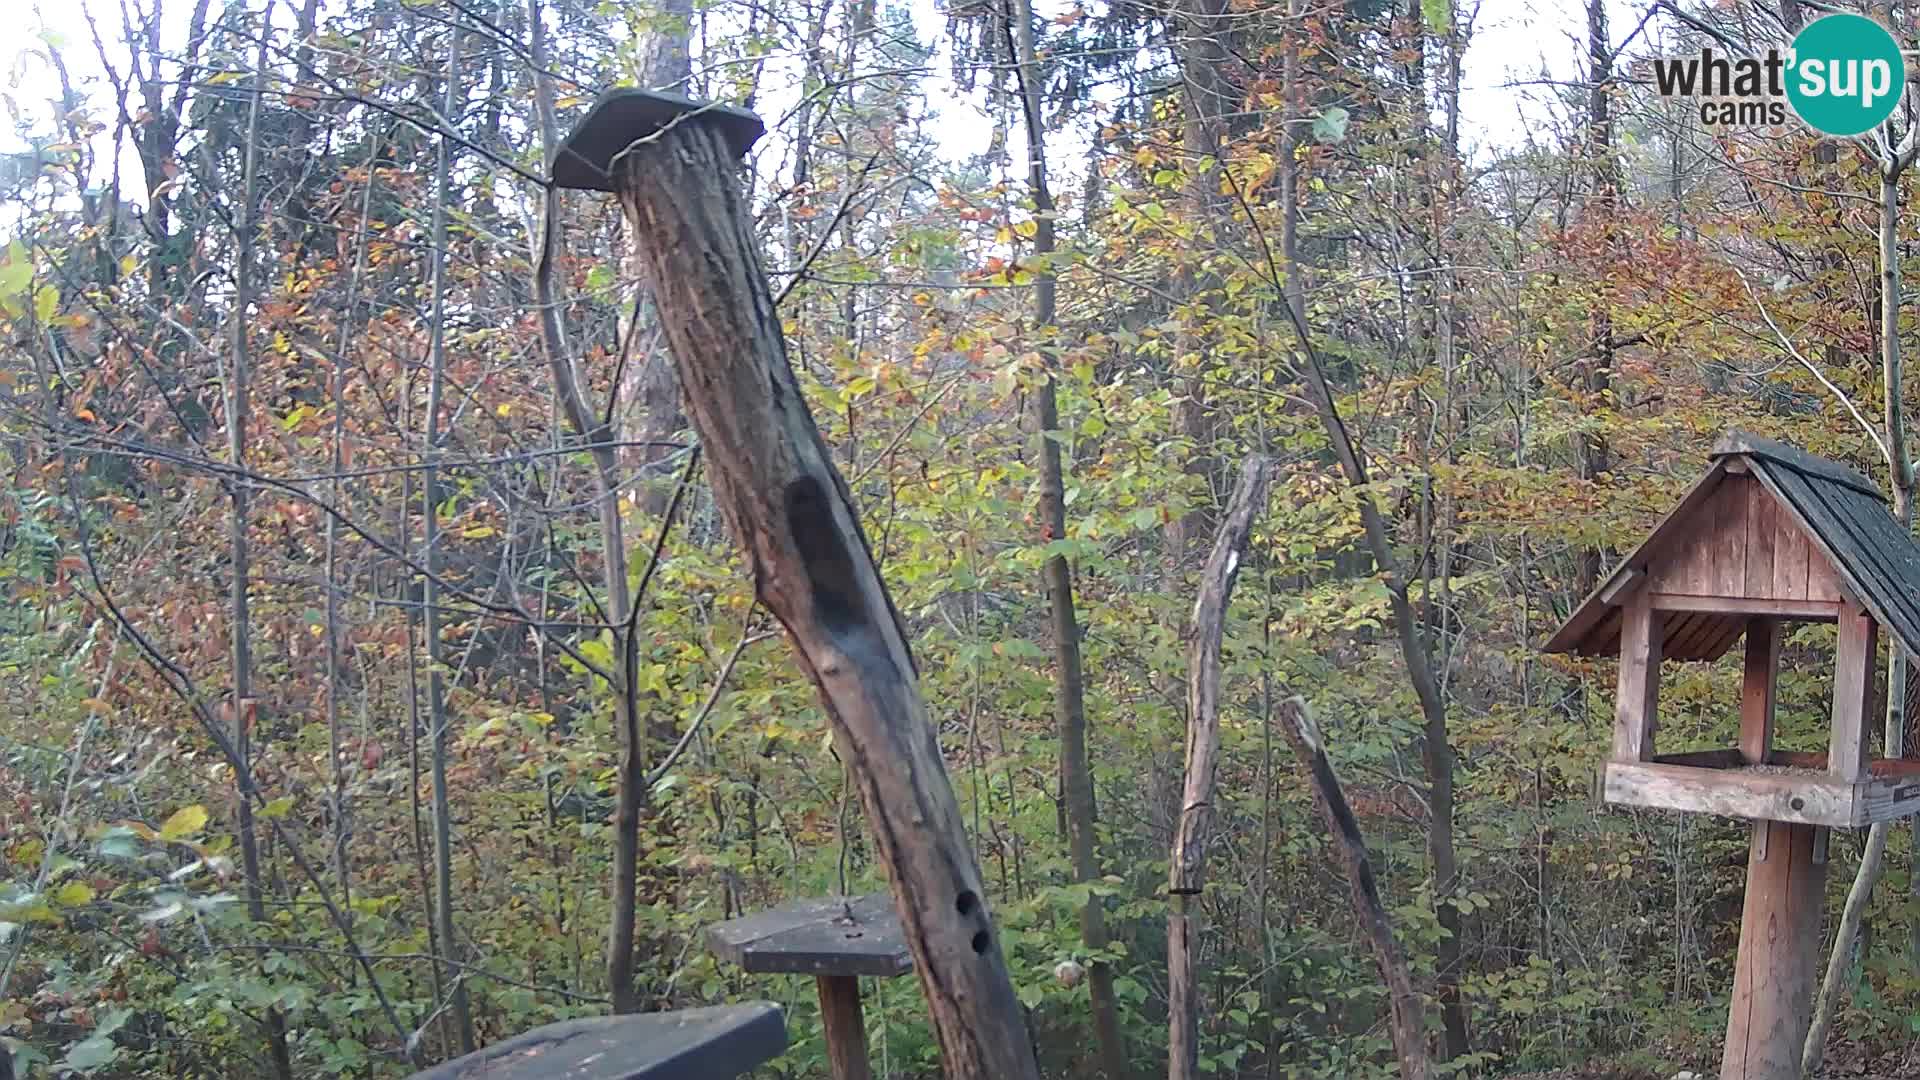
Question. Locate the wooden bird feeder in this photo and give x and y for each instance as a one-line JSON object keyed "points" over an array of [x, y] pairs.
{"points": [[1771, 535], [834, 939], [718, 1043]]}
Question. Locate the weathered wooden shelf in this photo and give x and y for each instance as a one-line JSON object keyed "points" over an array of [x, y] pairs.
{"points": [[835, 939], [688, 1044], [831, 935], [1792, 787]]}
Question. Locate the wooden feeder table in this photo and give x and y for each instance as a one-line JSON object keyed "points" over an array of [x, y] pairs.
{"points": [[1771, 535], [834, 939], [690, 1044]]}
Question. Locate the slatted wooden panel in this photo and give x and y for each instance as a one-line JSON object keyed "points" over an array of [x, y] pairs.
{"points": [[1742, 544]]}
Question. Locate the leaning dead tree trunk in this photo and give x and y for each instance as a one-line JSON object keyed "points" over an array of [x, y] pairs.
{"points": [[1187, 872], [1409, 1039], [672, 162]]}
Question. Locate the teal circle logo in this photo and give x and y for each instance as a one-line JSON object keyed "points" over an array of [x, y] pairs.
{"points": [[1845, 75]]}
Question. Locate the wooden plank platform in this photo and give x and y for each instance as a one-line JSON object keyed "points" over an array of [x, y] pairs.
{"points": [[1793, 787], [832, 935], [709, 1044]]}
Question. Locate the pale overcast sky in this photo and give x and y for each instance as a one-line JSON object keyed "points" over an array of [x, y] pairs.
{"points": [[1514, 42]]}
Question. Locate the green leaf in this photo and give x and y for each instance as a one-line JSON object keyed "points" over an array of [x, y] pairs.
{"points": [[598, 653], [1439, 15], [72, 894], [1331, 125], [46, 303], [15, 276], [277, 808], [118, 842], [185, 822], [89, 1054]]}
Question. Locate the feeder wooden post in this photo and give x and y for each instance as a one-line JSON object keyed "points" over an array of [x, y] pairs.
{"points": [[675, 165], [1636, 705], [846, 1027], [1852, 691], [1773, 975]]}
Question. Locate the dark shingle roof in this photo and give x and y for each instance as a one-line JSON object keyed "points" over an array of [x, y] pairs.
{"points": [[1844, 517], [1847, 518]]}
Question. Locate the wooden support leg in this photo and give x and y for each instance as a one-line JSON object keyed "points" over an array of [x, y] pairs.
{"points": [[1853, 665], [846, 1027], [1636, 703], [1779, 945], [1756, 690]]}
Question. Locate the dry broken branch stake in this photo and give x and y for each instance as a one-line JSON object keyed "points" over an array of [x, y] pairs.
{"points": [[1188, 870], [788, 508]]}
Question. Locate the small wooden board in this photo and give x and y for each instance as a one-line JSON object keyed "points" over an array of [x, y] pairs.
{"points": [[717, 1043], [817, 937]]}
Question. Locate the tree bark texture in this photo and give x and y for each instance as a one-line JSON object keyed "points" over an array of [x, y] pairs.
{"points": [[789, 509], [1187, 869]]}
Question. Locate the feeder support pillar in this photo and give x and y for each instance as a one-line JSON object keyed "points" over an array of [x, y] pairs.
{"points": [[1773, 975]]}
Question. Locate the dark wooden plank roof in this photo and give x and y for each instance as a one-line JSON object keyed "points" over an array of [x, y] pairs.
{"points": [[830, 935], [1843, 516], [718, 1043]]}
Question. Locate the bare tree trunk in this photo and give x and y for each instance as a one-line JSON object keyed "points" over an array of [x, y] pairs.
{"points": [[666, 64], [1594, 453], [238, 408], [1187, 865], [437, 719], [1872, 861], [1200, 25], [337, 398], [789, 509], [1436, 754], [1069, 678], [1415, 650], [631, 793], [1409, 1037]]}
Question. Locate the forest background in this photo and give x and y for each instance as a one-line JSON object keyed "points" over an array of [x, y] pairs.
{"points": [[313, 466]]}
